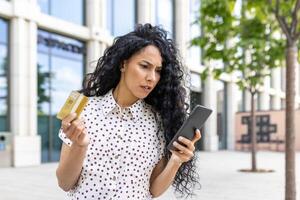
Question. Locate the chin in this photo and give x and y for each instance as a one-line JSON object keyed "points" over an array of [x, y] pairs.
{"points": [[141, 95]]}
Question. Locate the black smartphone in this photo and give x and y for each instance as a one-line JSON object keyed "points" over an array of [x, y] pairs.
{"points": [[195, 121]]}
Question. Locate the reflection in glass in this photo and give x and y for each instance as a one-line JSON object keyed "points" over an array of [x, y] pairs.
{"points": [[58, 9], [44, 6], [118, 21], [60, 70], [3, 31], [165, 14], [66, 76], [194, 51]]}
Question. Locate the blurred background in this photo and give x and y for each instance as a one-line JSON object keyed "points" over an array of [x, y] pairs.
{"points": [[46, 47]]}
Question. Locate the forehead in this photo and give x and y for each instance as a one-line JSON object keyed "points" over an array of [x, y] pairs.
{"points": [[149, 53]]}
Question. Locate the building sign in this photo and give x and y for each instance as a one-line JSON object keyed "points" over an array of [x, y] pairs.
{"points": [[264, 129], [55, 43], [270, 130]]}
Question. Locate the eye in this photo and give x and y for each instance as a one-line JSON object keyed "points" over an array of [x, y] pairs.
{"points": [[158, 70], [144, 66]]}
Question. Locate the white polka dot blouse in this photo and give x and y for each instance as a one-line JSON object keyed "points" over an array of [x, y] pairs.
{"points": [[125, 146]]}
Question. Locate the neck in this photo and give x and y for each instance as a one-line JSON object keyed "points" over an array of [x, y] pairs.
{"points": [[123, 97]]}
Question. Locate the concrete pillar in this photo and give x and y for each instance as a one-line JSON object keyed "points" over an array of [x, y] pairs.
{"points": [[276, 80], [144, 12], [23, 83], [210, 128], [181, 26], [265, 96], [230, 115], [33, 79], [97, 25]]}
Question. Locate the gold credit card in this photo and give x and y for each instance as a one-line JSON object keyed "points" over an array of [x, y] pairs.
{"points": [[75, 103]]}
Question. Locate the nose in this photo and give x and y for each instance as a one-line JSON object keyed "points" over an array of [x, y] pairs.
{"points": [[151, 75]]}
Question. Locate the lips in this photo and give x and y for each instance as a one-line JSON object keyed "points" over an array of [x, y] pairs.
{"points": [[146, 88]]}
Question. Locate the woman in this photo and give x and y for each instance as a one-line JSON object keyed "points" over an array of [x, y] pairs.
{"points": [[117, 150]]}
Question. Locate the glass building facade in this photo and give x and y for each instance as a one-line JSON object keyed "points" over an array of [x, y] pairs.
{"points": [[164, 15], [61, 66], [194, 51], [60, 70], [121, 16], [59, 9], [4, 124]]}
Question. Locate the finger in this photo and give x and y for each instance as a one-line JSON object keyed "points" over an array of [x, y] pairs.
{"points": [[183, 149], [69, 118], [187, 142], [82, 135], [77, 132], [66, 122], [197, 136], [72, 129], [183, 157], [65, 126]]}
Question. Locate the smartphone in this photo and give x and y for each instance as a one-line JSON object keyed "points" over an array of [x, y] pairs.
{"points": [[195, 121]]}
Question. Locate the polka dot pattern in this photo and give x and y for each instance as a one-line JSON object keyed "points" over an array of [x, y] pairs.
{"points": [[125, 146]]}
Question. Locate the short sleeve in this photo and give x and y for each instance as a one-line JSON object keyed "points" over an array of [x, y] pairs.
{"points": [[64, 138]]}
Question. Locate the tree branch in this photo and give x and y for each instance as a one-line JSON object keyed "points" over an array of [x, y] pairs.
{"points": [[276, 9], [296, 36], [281, 20], [294, 23], [277, 6], [284, 27]]}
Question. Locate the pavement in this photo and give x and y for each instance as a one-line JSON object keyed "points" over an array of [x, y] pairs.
{"points": [[219, 178]]}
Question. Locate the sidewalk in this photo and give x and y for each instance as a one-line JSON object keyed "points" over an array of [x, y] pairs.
{"points": [[220, 179]]}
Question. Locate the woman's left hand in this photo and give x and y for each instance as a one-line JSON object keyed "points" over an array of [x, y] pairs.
{"points": [[184, 153]]}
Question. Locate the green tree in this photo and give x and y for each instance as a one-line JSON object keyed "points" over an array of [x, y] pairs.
{"points": [[43, 78], [287, 16], [244, 43]]}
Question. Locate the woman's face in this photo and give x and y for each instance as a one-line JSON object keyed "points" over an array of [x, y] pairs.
{"points": [[141, 72]]}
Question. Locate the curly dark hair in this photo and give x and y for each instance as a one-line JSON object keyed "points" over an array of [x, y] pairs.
{"points": [[167, 98]]}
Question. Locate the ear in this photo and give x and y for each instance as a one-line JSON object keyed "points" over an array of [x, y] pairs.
{"points": [[123, 66]]}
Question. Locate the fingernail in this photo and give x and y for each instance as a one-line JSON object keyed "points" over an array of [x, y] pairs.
{"points": [[180, 138], [175, 143], [74, 114]]}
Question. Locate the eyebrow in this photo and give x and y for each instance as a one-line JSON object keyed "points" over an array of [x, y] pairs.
{"points": [[149, 63]]}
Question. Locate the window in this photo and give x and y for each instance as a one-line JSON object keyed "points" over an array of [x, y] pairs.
{"points": [[4, 125], [221, 93], [194, 51], [164, 15], [239, 99], [258, 101], [59, 8], [121, 16], [60, 70], [195, 82]]}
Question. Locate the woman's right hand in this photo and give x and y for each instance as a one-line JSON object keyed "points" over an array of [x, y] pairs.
{"points": [[75, 130]]}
